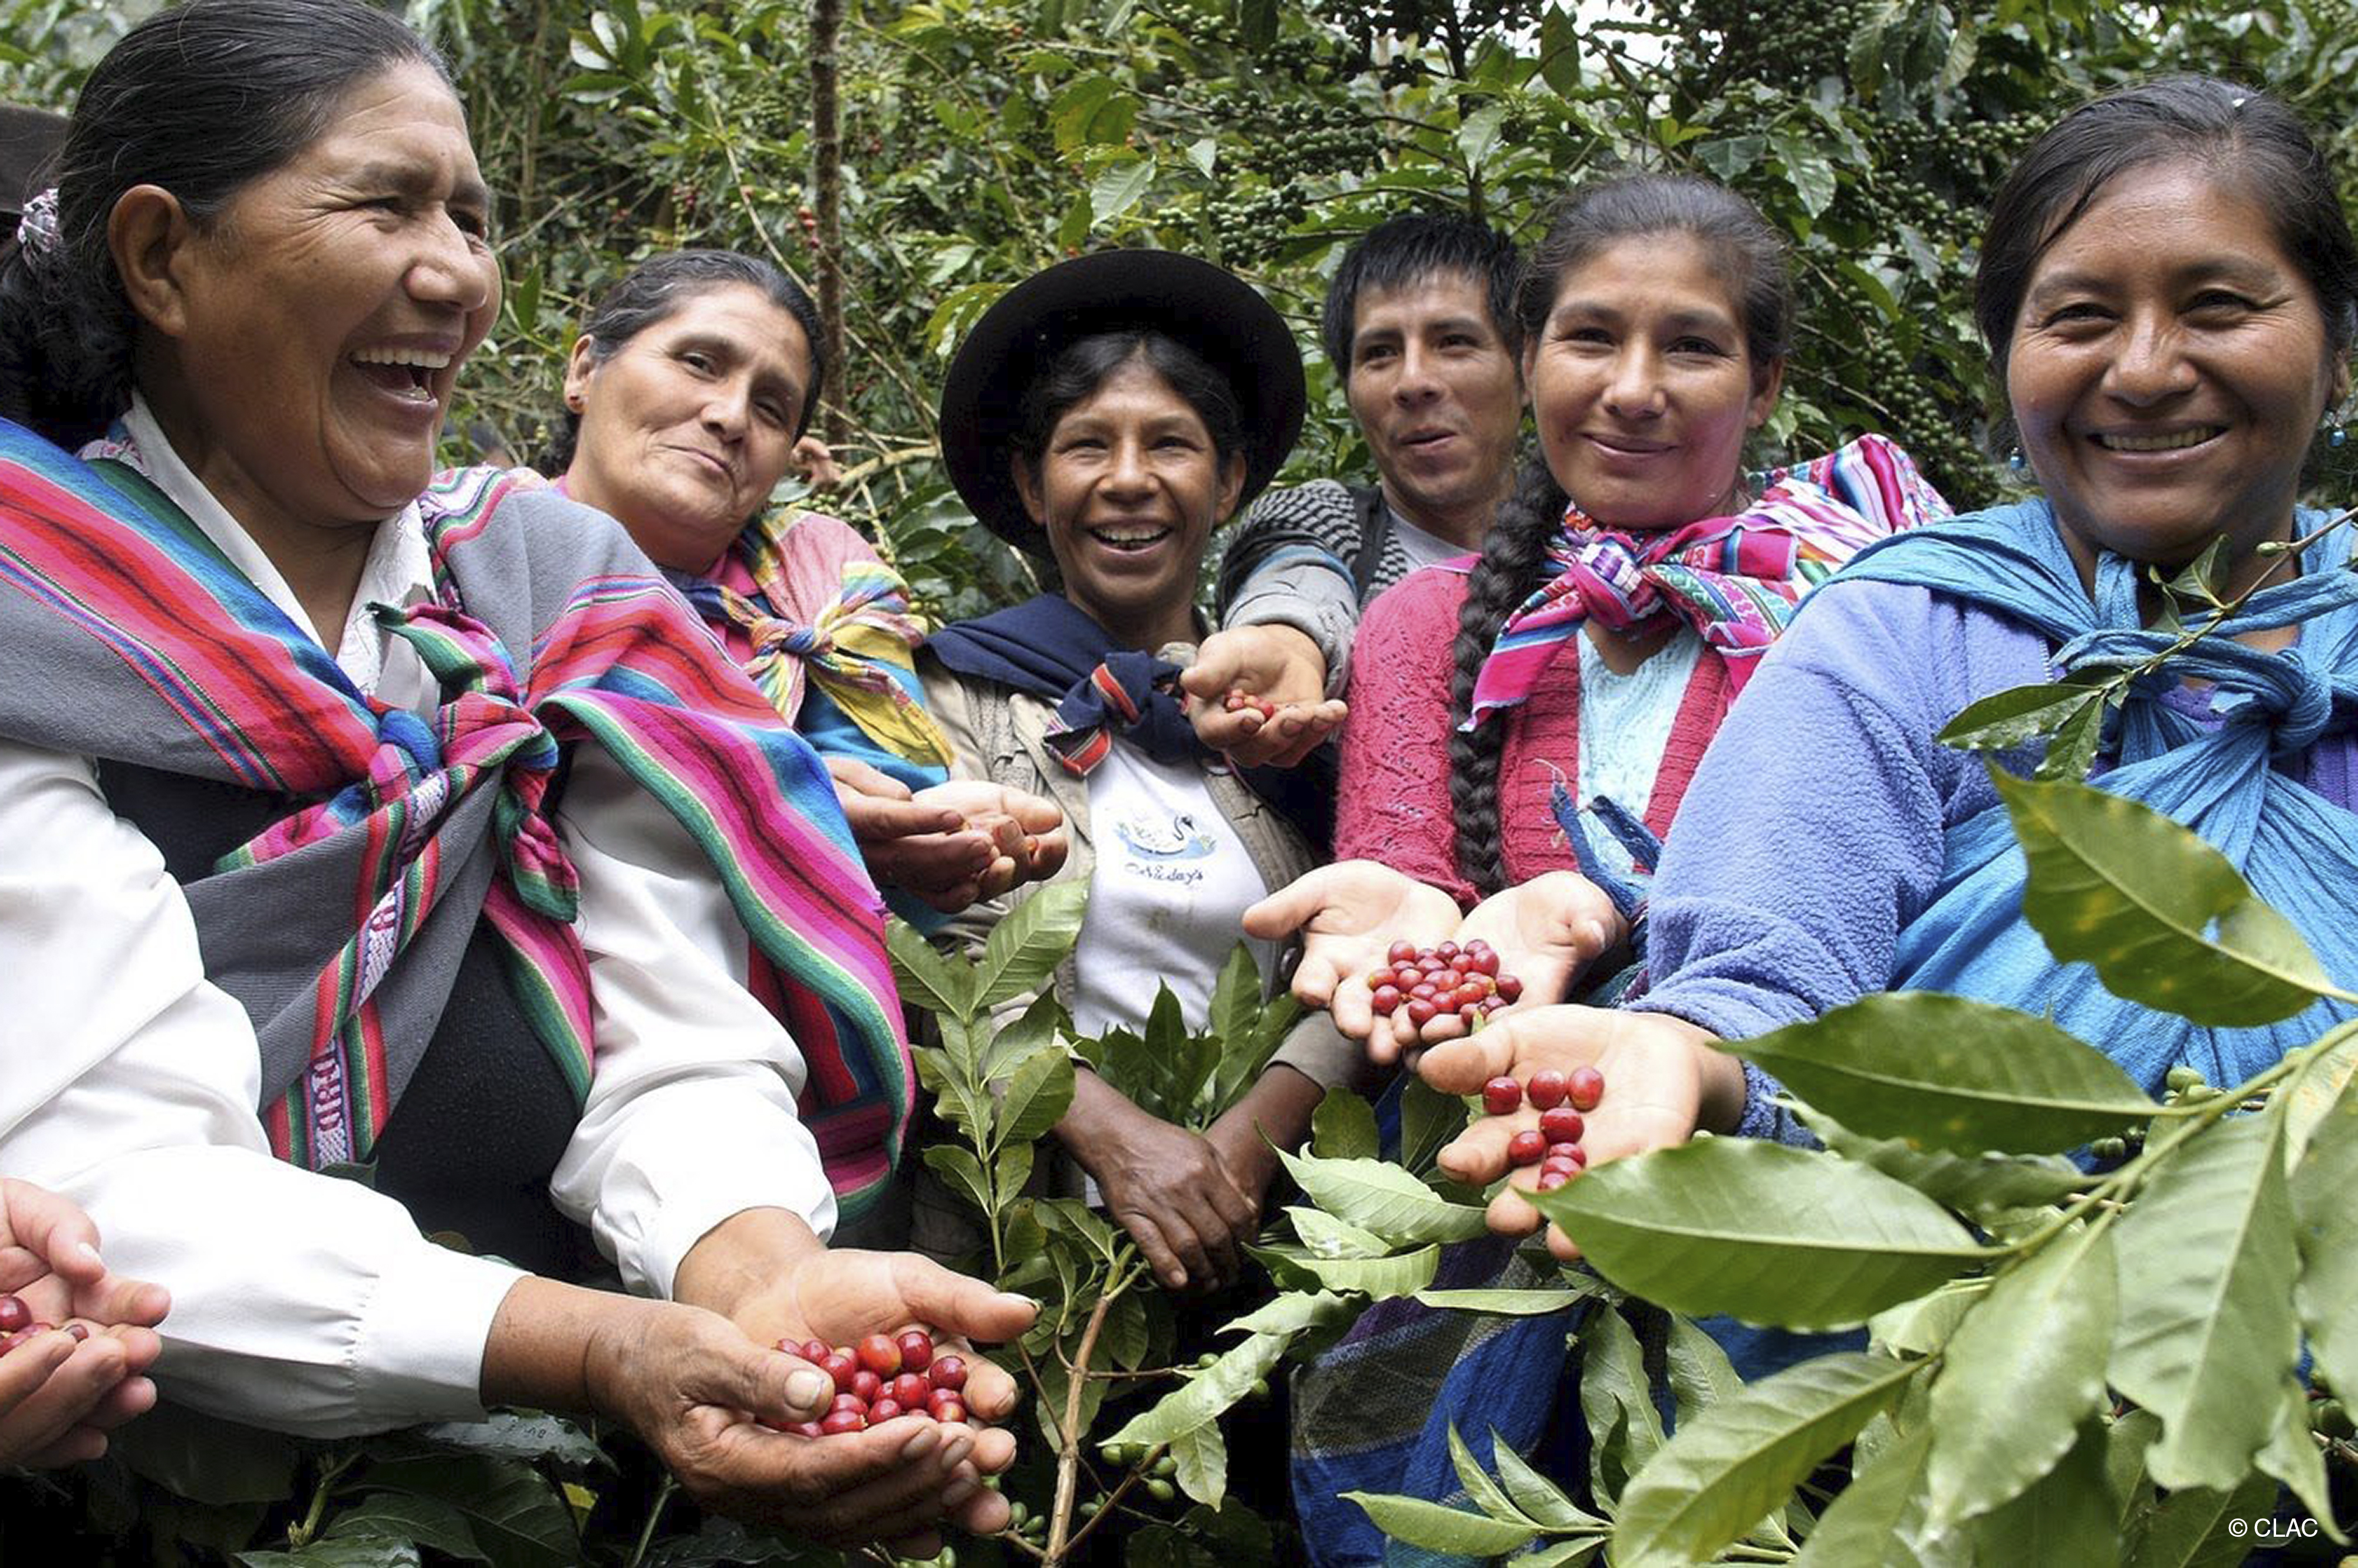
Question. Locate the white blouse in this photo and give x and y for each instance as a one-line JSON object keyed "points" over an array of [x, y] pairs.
{"points": [[130, 1084]]}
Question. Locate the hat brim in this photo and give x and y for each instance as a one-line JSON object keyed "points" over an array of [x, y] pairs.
{"points": [[1212, 311]]}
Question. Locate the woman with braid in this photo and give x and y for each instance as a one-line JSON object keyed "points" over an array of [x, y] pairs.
{"points": [[1525, 723]]}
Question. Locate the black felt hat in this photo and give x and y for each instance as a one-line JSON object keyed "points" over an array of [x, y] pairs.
{"points": [[1213, 312]]}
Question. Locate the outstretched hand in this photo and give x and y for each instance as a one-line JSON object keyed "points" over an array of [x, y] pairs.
{"points": [[1546, 932], [949, 845], [1663, 1077], [1348, 914], [1280, 667]]}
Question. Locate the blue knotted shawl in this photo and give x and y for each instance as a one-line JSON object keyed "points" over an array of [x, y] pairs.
{"points": [[2231, 775]]}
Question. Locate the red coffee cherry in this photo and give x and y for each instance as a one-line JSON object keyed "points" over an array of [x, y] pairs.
{"points": [[948, 1410], [880, 1354], [811, 1350], [1502, 1097], [1550, 1179], [1510, 989], [1525, 1148], [1585, 1087], [867, 1384], [808, 1429], [916, 1350], [1559, 1123], [843, 1421], [1400, 953], [883, 1410], [14, 1315], [1386, 999], [839, 1366], [947, 1372], [909, 1389], [1421, 1010], [1547, 1089]]}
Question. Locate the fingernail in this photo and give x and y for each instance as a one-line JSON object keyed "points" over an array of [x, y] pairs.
{"points": [[1016, 1298], [917, 1446], [957, 1492], [958, 1448], [807, 1388], [90, 1252]]}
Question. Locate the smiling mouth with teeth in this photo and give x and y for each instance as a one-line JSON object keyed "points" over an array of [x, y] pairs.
{"points": [[407, 372], [1128, 538], [2175, 440]]}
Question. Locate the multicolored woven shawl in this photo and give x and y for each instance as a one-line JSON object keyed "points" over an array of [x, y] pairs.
{"points": [[1734, 579], [155, 650], [848, 636]]}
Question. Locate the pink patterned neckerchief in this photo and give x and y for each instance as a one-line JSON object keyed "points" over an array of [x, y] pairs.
{"points": [[1736, 579]]}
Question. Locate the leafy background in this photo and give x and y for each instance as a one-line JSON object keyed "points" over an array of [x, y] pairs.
{"points": [[978, 140]]}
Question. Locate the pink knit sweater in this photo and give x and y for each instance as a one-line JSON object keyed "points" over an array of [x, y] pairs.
{"points": [[1394, 804]]}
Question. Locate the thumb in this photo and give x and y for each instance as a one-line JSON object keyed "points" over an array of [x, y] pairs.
{"points": [[1290, 908], [55, 1230], [777, 1385], [1215, 669], [956, 1305], [1036, 813]]}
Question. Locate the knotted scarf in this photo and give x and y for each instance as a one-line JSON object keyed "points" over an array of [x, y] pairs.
{"points": [[127, 635], [2223, 773], [861, 633], [1048, 647], [1734, 579]]}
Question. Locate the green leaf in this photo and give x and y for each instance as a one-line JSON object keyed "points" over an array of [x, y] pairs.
{"points": [[1203, 1456], [1429, 1119], [1952, 1073], [2316, 1090], [2326, 1231], [962, 1170], [2016, 717], [521, 1435], [364, 1551], [1731, 156], [2068, 1517], [2124, 888], [1764, 1232], [2206, 1314], [1385, 1199], [2291, 1455], [1203, 1396], [1700, 1372], [1878, 1516], [1291, 1314], [1379, 1279], [1742, 1459], [1038, 1094], [2073, 750], [1438, 1529], [932, 980], [2198, 1528], [1481, 1490], [1479, 133], [2021, 1374], [514, 1515], [1117, 189], [1810, 172], [421, 1521], [1617, 1399], [1501, 1302], [1236, 997], [1324, 1236], [1343, 1126], [1034, 1030], [1924, 1325], [1536, 1497], [1026, 947], [1013, 1167]]}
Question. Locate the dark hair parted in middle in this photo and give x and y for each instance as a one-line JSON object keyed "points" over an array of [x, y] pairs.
{"points": [[1751, 256], [1401, 252], [1073, 377], [2236, 133], [200, 100], [660, 285]]}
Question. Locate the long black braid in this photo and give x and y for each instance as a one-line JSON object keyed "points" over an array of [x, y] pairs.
{"points": [[1514, 553]]}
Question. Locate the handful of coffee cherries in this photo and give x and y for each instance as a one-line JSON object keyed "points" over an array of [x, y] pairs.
{"points": [[18, 1325], [880, 1377], [1429, 982], [1554, 1145]]}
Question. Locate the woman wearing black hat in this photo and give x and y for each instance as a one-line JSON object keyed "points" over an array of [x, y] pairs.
{"points": [[1108, 414]]}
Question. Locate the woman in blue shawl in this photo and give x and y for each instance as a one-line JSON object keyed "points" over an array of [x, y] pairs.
{"points": [[2170, 290]]}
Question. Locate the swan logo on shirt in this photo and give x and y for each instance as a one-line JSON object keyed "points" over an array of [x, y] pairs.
{"points": [[1179, 839]]}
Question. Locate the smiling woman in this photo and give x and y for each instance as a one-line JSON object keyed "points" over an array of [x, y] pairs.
{"points": [[281, 721], [1109, 415]]}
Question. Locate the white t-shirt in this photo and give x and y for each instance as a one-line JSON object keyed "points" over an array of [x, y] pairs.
{"points": [[1171, 881]]}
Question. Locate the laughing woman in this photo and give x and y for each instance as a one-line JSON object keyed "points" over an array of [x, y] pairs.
{"points": [[1107, 415], [687, 389], [350, 820]]}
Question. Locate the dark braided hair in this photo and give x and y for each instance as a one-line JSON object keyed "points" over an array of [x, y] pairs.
{"points": [[1515, 551]]}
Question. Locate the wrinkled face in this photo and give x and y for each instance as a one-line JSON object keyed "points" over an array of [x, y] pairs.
{"points": [[1439, 398], [1129, 490], [1642, 387], [687, 427], [323, 317], [2168, 369]]}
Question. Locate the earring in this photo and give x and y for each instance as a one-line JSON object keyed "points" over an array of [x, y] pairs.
{"points": [[2336, 435], [2014, 462]]}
